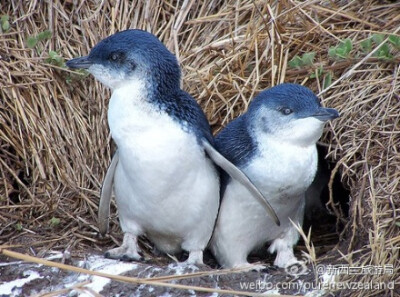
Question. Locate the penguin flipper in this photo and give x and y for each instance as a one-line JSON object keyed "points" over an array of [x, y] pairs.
{"points": [[239, 175], [105, 196]]}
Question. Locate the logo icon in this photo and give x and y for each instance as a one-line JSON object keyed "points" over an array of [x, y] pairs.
{"points": [[297, 268]]}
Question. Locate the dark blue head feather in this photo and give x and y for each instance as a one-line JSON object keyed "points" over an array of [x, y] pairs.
{"points": [[299, 99], [236, 141], [137, 50], [132, 48]]}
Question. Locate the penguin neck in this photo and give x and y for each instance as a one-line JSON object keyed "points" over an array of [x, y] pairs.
{"points": [[133, 109]]}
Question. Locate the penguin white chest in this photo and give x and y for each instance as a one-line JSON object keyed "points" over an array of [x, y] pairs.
{"points": [[164, 183], [152, 146], [283, 170]]}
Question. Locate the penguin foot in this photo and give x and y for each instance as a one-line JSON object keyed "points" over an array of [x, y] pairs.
{"points": [[244, 267], [257, 267], [195, 257], [285, 258], [128, 251], [123, 255]]}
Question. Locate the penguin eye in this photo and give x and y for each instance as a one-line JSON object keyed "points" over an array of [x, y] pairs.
{"points": [[286, 110], [116, 57]]}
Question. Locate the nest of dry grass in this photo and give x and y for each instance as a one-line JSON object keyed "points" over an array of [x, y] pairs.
{"points": [[54, 139]]}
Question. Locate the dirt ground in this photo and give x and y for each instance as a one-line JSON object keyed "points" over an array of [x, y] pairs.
{"points": [[18, 278], [25, 279]]}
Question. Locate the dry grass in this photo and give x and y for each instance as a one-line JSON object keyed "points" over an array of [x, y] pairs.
{"points": [[54, 140]]}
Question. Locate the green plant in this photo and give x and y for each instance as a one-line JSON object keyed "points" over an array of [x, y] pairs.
{"points": [[326, 76], [395, 41], [385, 50], [307, 59], [317, 73], [55, 59], [5, 23], [366, 45], [18, 226], [327, 81], [342, 50], [54, 222], [77, 75], [33, 41]]}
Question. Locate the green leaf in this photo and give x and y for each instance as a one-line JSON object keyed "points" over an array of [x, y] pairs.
{"points": [[317, 73], [383, 52], [341, 53], [54, 222], [332, 52], [53, 54], [295, 62], [5, 26], [31, 42], [327, 80], [378, 38], [366, 45], [342, 50], [348, 45], [44, 35], [55, 59], [18, 226], [397, 224], [4, 22], [308, 59], [395, 40], [4, 18]]}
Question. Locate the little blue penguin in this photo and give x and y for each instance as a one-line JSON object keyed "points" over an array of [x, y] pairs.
{"points": [[163, 173], [274, 144]]}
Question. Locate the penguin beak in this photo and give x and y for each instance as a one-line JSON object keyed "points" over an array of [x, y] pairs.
{"points": [[79, 63], [326, 114]]}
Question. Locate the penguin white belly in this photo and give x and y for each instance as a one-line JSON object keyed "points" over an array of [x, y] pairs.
{"points": [[243, 224], [164, 184]]}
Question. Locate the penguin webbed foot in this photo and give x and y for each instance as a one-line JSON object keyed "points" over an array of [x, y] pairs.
{"points": [[255, 267], [248, 267], [195, 257], [123, 255], [128, 251]]}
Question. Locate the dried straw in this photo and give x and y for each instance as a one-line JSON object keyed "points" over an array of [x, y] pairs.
{"points": [[55, 143]]}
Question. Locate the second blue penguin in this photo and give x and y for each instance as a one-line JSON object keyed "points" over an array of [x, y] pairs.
{"points": [[274, 143]]}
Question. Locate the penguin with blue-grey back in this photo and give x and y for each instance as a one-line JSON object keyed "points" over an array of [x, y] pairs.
{"points": [[274, 144]]}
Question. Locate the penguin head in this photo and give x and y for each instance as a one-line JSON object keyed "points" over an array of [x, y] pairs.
{"points": [[131, 55], [289, 113]]}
